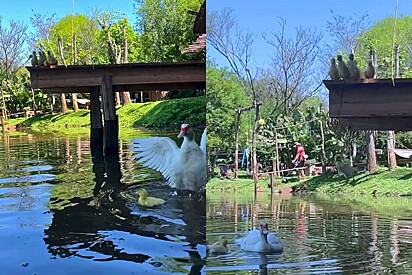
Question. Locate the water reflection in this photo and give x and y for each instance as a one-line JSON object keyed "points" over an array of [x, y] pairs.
{"points": [[79, 208], [320, 234]]}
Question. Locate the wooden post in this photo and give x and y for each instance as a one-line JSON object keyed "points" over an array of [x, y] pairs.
{"points": [[110, 118], [323, 155], [96, 125]]}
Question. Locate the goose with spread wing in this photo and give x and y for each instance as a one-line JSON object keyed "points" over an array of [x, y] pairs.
{"points": [[183, 168]]}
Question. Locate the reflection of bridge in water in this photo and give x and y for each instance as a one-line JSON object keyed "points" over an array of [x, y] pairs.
{"points": [[108, 227]]}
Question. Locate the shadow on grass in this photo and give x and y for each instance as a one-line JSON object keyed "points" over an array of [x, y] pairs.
{"points": [[406, 177], [336, 180]]}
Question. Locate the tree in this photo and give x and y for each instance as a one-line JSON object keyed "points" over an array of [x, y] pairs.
{"points": [[235, 45], [291, 77], [165, 28], [41, 24], [118, 35], [224, 97], [12, 46]]}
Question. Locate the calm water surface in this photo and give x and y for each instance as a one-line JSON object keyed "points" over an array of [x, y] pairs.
{"points": [[64, 211], [320, 234]]}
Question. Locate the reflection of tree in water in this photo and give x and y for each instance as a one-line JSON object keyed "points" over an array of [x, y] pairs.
{"points": [[85, 224]]}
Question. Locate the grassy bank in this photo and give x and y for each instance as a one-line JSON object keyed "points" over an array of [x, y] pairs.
{"points": [[393, 183], [165, 115]]}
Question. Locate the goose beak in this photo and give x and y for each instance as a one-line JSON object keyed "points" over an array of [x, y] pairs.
{"points": [[264, 229], [183, 132]]}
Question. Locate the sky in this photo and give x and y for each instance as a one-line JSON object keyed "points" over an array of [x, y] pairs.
{"points": [[260, 16], [22, 9]]}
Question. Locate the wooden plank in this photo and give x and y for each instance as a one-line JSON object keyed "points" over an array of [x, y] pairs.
{"points": [[380, 123], [375, 99], [132, 88], [110, 119], [96, 125], [148, 75]]}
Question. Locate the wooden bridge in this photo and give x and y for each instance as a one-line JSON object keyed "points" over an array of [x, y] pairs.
{"points": [[372, 104], [104, 80]]}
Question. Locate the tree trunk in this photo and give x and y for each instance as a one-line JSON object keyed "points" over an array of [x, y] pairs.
{"points": [[126, 95], [255, 167], [74, 95], [391, 134], [370, 143], [323, 155], [277, 167], [238, 113], [391, 147], [63, 103], [34, 101], [371, 154], [75, 104]]}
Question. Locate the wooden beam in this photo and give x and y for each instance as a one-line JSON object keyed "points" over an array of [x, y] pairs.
{"points": [[109, 110], [370, 98], [96, 125], [380, 123], [111, 124], [132, 88], [142, 76]]}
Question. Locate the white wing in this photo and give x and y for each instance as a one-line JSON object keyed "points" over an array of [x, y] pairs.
{"points": [[203, 142], [157, 153]]}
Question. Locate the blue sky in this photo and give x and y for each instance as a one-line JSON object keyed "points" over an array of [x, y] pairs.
{"points": [[22, 9], [260, 16]]}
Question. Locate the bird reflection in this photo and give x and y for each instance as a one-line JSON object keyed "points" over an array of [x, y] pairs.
{"points": [[91, 224]]}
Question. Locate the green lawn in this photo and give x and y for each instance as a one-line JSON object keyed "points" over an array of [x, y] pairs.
{"points": [[165, 115], [393, 183]]}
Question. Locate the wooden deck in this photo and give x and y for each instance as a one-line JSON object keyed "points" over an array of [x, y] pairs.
{"points": [[372, 104], [125, 77]]}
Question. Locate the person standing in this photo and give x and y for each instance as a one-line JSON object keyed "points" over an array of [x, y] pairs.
{"points": [[300, 159]]}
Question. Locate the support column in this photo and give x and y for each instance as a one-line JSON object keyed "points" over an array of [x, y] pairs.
{"points": [[96, 125], [111, 132]]}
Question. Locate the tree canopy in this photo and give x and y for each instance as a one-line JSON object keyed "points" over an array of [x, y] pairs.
{"points": [[165, 28]]}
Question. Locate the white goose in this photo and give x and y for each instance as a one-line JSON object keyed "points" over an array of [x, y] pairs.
{"points": [[183, 168], [261, 241]]}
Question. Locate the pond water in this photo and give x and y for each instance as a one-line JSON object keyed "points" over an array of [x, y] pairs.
{"points": [[62, 209], [320, 234]]}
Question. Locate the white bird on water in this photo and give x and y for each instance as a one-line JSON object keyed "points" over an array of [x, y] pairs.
{"points": [[261, 240], [183, 168]]}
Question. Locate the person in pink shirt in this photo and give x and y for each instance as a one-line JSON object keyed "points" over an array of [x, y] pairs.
{"points": [[300, 159]]}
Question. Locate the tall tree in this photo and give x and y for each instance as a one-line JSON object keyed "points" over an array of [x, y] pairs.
{"points": [[292, 74], [12, 46], [235, 45], [224, 97], [118, 35], [165, 29]]}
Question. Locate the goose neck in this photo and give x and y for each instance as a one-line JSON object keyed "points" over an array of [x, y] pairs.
{"points": [[264, 237]]}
